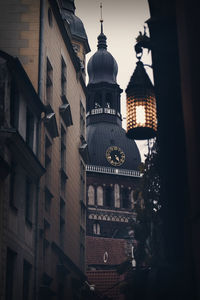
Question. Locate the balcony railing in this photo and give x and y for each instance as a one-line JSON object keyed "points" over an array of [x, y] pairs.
{"points": [[101, 110], [113, 171]]}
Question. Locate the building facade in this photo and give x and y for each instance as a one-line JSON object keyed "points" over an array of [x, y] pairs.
{"points": [[43, 150], [112, 172]]}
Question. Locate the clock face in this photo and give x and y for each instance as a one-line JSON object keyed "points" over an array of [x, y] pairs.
{"points": [[115, 156]]}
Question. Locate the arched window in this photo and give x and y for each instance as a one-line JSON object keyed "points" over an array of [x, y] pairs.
{"points": [[125, 198], [97, 100], [132, 199], [108, 196], [99, 195], [109, 100], [90, 195], [117, 195], [96, 228]]}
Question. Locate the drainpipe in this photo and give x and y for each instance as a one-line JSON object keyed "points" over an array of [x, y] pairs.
{"points": [[40, 94], [41, 51], [35, 292]]}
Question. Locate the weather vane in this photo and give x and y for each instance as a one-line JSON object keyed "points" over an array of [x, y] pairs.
{"points": [[101, 20]]}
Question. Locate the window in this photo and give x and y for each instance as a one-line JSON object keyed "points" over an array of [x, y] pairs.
{"points": [[14, 105], [109, 101], [82, 257], [26, 280], [97, 100], [82, 120], [48, 151], [47, 200], [90, 195], [13, 176], [62, 185], [117, 195], [63, 148], [99, 195], [96, 228], [46, 241], [29, 128], [62, 221], [63, 77], [83, 214], [108, 196], [125, 198], [82, 182], [28, 202], [10, 271], [50, 18], [132, 199], [82, 248], [49, 83], [63, 175]]}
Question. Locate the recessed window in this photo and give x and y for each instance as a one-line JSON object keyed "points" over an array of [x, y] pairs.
{"points": [[13, 184], [117, 195], [28, 202], [109, 101], [82, 120], [10, 272], [90, 195], [105, 257], [96, 228], [49, 82], [26, 280], [50, 17], [48, 150], [63, 77], [14, 105], [125, 198], [99, 195], [108, 196], [97, 100], [63, 148], [29, 128]]}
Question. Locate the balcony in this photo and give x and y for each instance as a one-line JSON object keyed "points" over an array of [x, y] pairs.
{"points": [[101, 110], [113, 171]]}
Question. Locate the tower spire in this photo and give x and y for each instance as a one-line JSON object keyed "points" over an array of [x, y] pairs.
{"points": [[101, 38]]}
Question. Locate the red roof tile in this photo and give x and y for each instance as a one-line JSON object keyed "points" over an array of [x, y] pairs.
{"points": [[107, 282], [96, 247]]}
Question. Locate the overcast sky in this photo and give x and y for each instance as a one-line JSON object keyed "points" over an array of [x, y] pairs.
{"points": [[123, 19]]}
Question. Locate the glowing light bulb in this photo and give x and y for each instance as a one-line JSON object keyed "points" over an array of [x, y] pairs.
{"points": [[140, 115]]}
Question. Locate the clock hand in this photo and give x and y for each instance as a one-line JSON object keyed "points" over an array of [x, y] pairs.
{"points": [[116, 157]]}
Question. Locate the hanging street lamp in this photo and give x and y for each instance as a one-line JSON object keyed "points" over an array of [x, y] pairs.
{"points": [[141, 105]]}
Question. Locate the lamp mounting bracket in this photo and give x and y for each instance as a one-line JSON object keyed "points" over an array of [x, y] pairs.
{"points": [[143, 41]]}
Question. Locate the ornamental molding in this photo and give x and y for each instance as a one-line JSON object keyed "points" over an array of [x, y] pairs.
{"points": [[111, 217]]}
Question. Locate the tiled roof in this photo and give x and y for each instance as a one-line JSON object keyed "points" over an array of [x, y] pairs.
{"points": [[107, 283], [96, 247]]}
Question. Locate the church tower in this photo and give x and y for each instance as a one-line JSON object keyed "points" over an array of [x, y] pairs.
{"points": [[112, 172], [112, 175], [103, 103]]}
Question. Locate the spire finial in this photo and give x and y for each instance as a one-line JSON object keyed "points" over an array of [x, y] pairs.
{"points": [[101, 38], [101, 20]]}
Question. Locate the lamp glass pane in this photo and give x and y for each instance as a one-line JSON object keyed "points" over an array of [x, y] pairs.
{"points": [[140, 115]]}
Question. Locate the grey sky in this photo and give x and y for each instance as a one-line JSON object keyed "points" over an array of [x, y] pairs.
{"points": [[123, 19]]}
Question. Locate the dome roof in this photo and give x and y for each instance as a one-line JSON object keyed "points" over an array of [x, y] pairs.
{"points": [[76, 25], [101, 136], [102, 67]]}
